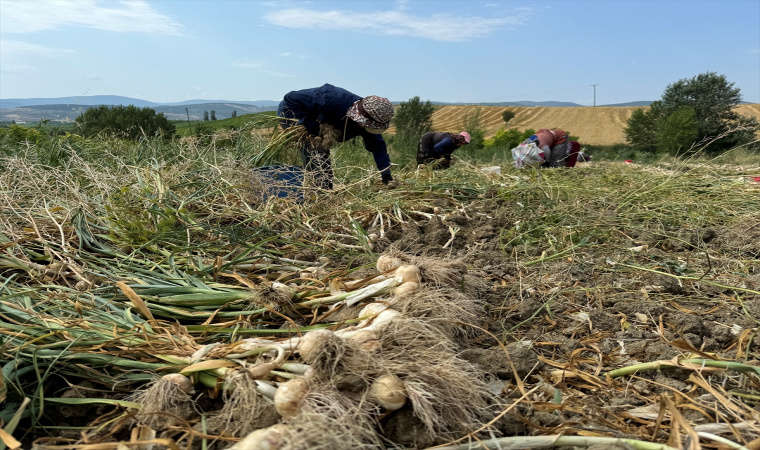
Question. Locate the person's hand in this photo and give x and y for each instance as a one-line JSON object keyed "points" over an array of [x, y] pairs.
{"points": [[315, 141]]}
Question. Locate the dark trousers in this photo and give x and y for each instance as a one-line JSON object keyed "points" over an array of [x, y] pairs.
{"points": [[316, 161], [434, 160], [558, 156]]}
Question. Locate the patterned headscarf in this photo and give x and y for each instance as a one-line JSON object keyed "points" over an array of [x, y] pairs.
{"points": [[457, 138], [372, 112]]}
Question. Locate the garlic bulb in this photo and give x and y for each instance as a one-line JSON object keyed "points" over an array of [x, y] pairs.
{"points": [[288, 397], [408, 273], [386, 263], [384, 318], [182, 382], [313, 341], [366, 339], [378, 314], [262, 439], [372, 309], [388, 391], [405, 289], [283, 292]]}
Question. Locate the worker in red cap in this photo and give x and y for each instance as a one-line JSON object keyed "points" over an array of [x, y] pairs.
{"points": [[435, 149], [331, 115]]}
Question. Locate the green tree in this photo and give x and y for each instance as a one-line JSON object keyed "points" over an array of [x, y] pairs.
{"points": [[641, 131], [677, 131], [713, 98], [471, 123], [507, 116], [130, 122], [509, 138], [413, 119], [17, 134], [234, 113], [205, 116], [213, 115]]}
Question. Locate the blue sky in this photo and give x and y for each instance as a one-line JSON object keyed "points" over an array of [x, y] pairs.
{"points": [[455, 51]]}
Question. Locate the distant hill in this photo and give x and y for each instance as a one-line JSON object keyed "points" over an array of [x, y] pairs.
{"points": [[6, 103], [69, 112], [94, 100], [223, 110], [237, 102], [641, 103]]}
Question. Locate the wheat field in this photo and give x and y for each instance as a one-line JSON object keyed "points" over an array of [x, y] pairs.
{"points": [[602, 125]]}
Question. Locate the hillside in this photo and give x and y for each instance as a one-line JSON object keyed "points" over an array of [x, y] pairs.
{"points": [[602, 125], [187, 129], [90, 100], [67, 113]]}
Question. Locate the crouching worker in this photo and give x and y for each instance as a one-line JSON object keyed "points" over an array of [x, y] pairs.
{"points": [[331, 115], [435, 149], [574, 154], [567, 155]]}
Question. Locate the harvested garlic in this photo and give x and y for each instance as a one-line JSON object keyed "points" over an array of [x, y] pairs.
{"points": [[287, 400], [386, 263], [388, 391]]}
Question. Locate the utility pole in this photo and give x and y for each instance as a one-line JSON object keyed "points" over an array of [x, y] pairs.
{"points": [[595, 85], [189, 127]]}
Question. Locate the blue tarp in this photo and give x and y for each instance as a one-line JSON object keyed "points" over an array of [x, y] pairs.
{"points": [[280, 181]]}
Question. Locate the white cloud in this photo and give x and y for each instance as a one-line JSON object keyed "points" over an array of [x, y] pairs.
{"points": [[16, 55], [754, 51], [396, 23], [491, 5], [15, 48], [94, 78], [402, 4], [284, 54], [130, 16]]}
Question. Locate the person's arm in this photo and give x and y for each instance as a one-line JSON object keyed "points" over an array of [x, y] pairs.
{"points": [[305, 107], [375, 144], [443, 147]]}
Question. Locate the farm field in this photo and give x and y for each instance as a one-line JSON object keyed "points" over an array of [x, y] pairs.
{"points": [[596, 126], [150, 295]]}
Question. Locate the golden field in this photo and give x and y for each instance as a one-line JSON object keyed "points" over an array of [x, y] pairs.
{"points": [[602, 125]]}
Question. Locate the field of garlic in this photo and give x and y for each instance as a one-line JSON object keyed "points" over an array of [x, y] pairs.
{"points": [[149, 298]]}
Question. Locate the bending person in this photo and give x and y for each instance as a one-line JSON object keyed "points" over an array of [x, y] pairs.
{"points": [[436, 148], [331, 115]]}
